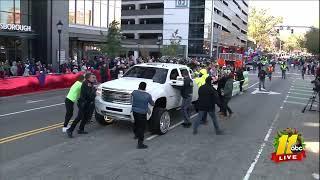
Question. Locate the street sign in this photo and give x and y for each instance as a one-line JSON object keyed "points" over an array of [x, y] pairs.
{"points": [[62, 56], [182, 3], [257, 91]]}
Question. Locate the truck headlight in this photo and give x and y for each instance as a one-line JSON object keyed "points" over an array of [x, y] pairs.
{"points": [[99, 91]]}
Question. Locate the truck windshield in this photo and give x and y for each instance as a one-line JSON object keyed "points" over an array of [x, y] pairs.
{"points": [[158, 75]]}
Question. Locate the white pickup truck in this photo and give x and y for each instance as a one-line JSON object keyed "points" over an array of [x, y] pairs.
{"points": [[113, 101]]}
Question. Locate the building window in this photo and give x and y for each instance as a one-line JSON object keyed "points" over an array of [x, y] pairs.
{"points": [[72, 11], [245, 23], [88, 13], [104, 13], [225, 3], [236, 26], [238, 16], [226, 17], [10, 12], [80, 12], [244, 13], [243, 32], [97, 13], [225, 29], [244, 3]]}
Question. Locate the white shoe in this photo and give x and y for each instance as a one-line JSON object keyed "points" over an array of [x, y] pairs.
{"points": [[64, 129]]}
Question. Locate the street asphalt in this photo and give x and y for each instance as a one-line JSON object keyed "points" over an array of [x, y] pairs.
{"points": [[33, 146]]}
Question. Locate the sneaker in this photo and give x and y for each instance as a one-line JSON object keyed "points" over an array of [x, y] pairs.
{"points": [[82, 132], [142, 146], [69, 133], [64, 129]]}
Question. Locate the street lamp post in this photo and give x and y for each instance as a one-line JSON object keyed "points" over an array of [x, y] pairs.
{"points": [[59, 27]]}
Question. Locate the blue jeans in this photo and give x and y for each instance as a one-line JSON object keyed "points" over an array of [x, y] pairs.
{"points": [[185, 108], [202, 115]]}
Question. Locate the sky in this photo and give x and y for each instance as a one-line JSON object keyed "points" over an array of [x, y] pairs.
{"points": [[294, 12]]}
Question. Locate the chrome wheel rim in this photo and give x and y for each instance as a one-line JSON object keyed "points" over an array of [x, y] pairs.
{"points": [[164, 122], [108, 120]]}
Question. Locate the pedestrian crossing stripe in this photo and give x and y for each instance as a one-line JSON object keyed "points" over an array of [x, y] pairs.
{"points": [[301, 90], [300, 94], [298, 97], [298, 103]]}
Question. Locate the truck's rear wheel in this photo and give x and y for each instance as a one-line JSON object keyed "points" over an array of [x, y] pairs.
{"points": [[160, 121], [102, 120]]}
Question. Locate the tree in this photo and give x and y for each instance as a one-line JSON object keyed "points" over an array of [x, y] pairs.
{"points": [[112, 44], [173, 49], [311, 42], [293, 43], [261, 27]]}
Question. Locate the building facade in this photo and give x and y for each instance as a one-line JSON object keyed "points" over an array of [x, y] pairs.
{"points": [[203, 25], [29, 28]]}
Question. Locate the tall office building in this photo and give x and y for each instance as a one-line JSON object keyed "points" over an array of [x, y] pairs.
{"points": [[28, 28], [203, 25]]}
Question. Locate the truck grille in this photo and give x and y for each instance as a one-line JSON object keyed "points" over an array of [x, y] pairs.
{"points": [[116, 97]]}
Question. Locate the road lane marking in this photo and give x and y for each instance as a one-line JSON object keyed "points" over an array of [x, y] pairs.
{"points": [[170, 128], [28, 110], [31, 101], [298, 98], [253, 85], [299, 94], [30, 133], [308, 91], [253, 164]]}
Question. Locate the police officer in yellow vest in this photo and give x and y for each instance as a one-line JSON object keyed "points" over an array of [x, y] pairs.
{"points": [[283, 68]]}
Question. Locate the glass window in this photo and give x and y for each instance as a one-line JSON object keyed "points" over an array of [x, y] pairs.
{"points": [[72, 12], [174, 74], [158, 75], [80, 12], [88, 12], [112, 5], [6, 5], [104, 13], [17, 6], [6, 17], [118, 11], [96, 15]]}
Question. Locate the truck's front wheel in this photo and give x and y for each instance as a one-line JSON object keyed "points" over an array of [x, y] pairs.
{"points": [[102, 120], [160, 121]]}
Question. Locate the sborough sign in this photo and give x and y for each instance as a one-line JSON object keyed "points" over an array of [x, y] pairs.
{"points": [[15, 27]]}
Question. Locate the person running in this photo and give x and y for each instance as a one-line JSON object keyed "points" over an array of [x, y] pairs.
{"points": [[269, 71], [262, 78], [140, 101], [72, 97], [208, 97], [87, 96]]}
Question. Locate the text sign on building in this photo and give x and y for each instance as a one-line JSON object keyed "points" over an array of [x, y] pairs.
{"points": [[181, 3], [15, 27], [62, 56]]}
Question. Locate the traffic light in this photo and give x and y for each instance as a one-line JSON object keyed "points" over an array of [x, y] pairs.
{"points": [[291, 31], [278, 31]]}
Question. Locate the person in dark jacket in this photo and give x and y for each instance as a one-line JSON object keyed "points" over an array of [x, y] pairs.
{"points": [[87, 96], [240, 78], [262, 78], [186, 93], [221, 83], [140, 101], [227, 94], [208, 97]]}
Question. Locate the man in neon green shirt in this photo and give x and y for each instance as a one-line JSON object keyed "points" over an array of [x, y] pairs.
{"points": [[72, 97]]}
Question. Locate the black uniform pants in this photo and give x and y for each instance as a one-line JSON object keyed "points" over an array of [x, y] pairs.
{"points": [[69, 111], [140, 122], [226, 107], [241, 84], [83, 116]]}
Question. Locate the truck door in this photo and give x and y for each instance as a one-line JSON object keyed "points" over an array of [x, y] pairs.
{"points": [[173, 94]]}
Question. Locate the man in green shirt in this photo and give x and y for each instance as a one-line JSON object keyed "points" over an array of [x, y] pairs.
{"points": [[72, 97]]}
